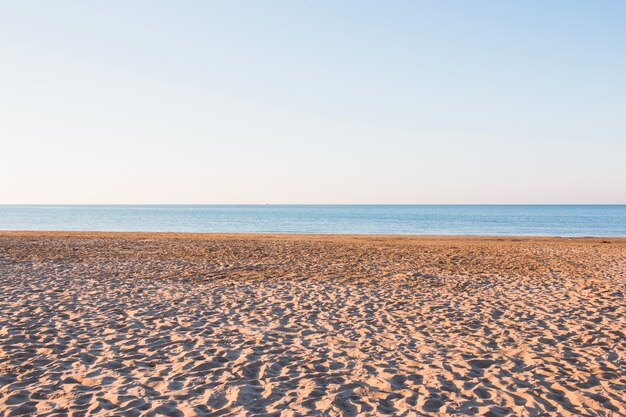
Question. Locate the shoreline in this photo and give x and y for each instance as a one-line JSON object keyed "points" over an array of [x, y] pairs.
{"points": [[306, 236]]}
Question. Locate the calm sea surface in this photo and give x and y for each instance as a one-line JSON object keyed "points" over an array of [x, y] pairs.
{"points": [[569, 220]]}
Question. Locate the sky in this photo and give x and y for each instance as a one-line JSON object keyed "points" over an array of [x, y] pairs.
{"points": [[407, 102]]}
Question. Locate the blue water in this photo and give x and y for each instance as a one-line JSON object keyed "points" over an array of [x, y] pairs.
{"points": [[546, 220]]}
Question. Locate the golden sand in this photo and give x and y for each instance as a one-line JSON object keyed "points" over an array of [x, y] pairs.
{"points": [[211, 324]]}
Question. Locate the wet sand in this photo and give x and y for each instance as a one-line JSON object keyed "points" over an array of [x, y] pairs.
{"points": [[138, 324]]}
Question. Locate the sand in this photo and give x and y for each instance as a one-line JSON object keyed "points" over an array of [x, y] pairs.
{"points": [[185, 325]]}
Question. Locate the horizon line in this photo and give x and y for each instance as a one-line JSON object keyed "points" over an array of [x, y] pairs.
{"points": [[311, 204]]}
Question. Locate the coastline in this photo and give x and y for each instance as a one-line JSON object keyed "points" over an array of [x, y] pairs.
{"points": [[305, 236], [235, 324]]}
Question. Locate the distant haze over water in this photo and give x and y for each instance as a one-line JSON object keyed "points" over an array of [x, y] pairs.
{"points": [[548, 220]]}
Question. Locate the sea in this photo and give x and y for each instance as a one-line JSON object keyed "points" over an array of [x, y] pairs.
{"points": [[511, 220]]}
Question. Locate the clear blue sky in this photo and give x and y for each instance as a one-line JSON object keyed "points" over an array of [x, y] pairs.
{"points": [[313, 102]]}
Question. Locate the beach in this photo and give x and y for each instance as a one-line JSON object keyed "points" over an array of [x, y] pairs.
{"points": [[146, 324]]}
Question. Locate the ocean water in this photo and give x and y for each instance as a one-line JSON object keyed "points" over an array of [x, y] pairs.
{"points": [[542, 220]]}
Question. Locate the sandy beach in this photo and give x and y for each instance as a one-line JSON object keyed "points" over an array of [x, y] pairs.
{"points": [[137, 324]]}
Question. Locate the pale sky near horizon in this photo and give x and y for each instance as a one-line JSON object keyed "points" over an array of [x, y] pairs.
{"points": [[312, 102]]}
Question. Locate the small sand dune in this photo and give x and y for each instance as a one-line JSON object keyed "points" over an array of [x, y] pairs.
{"points": [[229, 325]]}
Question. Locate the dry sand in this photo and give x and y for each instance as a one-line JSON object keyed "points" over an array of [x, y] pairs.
{"points": [[173, 324]]}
